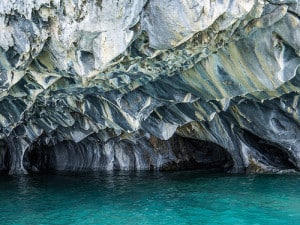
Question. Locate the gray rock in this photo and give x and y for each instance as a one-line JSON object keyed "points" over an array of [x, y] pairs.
{"points": [[149, 85]]}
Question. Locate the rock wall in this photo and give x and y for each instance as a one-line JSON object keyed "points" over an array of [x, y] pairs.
{"points": [[149, 84]]}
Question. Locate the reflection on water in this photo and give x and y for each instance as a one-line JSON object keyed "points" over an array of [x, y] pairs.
{"points": [[187, 197]]}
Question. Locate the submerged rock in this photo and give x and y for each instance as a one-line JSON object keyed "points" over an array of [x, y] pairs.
{"points": [[131, 84]]}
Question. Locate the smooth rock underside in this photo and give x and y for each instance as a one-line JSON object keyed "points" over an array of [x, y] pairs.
{"points": [[149, 84]]}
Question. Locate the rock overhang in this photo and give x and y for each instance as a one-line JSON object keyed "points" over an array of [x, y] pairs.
{"points": [[107, 78]]}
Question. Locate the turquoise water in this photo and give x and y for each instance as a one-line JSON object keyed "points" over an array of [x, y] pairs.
{"points": [[150, 198]]}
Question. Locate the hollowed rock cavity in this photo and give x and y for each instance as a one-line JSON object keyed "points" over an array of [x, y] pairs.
{"points": [[178, 153]]}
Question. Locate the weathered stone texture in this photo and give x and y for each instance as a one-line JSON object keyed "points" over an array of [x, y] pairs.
{"points": [[149, 84]]}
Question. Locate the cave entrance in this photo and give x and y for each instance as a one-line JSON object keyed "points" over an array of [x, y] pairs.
{"points": [[4, 156], [271, 153], [179, 153], [193, 154], [37, 158]]}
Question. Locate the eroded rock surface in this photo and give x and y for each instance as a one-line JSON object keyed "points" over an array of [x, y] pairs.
{"points": [[149, 84]]}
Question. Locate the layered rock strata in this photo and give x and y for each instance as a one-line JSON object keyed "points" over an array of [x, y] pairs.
{"points": [[149, 84]]}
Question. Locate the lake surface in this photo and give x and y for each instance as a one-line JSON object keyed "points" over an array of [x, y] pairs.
{"points": [[188, 197]]}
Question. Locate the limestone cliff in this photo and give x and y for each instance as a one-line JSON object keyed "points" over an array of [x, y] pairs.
{"points": [[149, 84]]}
